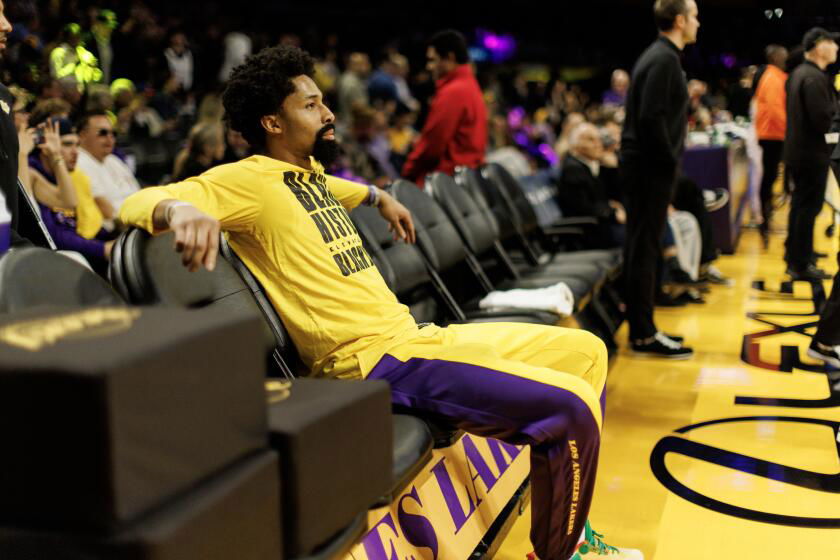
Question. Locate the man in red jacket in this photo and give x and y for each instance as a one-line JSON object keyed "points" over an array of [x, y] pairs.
{"points": [[455, 132]]}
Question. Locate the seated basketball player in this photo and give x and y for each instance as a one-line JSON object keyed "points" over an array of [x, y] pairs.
{"points": [[523, 384]]}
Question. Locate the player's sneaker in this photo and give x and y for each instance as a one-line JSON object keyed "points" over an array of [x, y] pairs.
{"points": [[593, 547]]}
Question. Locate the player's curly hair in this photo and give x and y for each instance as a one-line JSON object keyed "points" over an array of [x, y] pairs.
{"points": [[259, 86]]}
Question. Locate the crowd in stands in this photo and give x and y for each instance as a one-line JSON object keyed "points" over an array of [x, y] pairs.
{"points": [[113, 101]]}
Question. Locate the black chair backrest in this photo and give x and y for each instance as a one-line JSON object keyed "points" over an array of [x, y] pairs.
{"points": [[472, 224], [489, 200], [32, 277], [401, 264], [148, 271], [541, 193], [509, 188], [437, 238], [288, 359]]}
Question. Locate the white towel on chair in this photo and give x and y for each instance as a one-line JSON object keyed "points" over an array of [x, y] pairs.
{"points": [[557, 298]]}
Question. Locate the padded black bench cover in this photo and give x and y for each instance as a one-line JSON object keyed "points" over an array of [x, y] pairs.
{"points": [[335, 444], [234, 514], [107, 412]]}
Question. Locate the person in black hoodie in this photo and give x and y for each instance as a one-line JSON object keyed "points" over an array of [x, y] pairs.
{"points": [[811, 105], [651, 146]]}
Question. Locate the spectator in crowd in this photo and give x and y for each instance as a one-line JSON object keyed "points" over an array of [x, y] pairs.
{"points": [[770, 124], [237, 147], [402, 135], [581, 192], [205, 148], [543, 383], [368, 152], [811, 105], [237, 49], [455, 131], [98, 40], [651, 146], [352, 86], [741, 92], [179, 57], [571, 122], [382, 85], [111, 180], [71, 59], [401, 70], [63, 193], [617, 94]]}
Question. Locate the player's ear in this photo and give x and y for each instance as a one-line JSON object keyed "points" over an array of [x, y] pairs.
{"points": [[272, 124]]}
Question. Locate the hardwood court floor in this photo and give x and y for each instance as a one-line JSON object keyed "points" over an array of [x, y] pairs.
{"points": [[746, 483]]}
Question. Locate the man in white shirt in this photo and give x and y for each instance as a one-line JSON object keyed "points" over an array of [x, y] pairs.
{"points": [[111, 180]]}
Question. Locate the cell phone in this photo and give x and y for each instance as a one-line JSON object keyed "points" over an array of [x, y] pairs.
{"points": [[39, 136]]}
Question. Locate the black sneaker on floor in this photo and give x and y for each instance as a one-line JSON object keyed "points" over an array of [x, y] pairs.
{"points": [[826, 353], [660, 346], [682, 278], [690, 296], [665, 300], [810, 272]]}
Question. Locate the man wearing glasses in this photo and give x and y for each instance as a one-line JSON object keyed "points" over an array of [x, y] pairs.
{"points": [[111, 180]]}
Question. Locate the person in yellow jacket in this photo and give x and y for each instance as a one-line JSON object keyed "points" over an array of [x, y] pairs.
{"points": [[523, 384], [72, 59]]}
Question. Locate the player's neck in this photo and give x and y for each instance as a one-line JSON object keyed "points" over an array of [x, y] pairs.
{"points": [[298, 160]]}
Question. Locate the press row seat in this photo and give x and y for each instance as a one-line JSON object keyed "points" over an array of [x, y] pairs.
{"points": [[166, 281]]}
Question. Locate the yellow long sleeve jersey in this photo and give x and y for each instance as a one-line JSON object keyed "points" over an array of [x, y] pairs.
{"points": [[290, 227]]}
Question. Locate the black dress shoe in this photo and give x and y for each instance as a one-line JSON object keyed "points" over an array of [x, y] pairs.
{"points": [[675, 337], [664, 300], [690, 296], [660, 346], [810, 273], [681, 278]]}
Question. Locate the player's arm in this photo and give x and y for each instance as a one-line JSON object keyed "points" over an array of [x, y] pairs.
{"points": [[196, 210], [351, 194]]}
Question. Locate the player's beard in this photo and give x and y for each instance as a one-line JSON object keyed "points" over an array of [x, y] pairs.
{"points": [[325, 151]]}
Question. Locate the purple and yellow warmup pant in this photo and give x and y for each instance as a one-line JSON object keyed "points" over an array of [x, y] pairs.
{"points": [[523, 384]]}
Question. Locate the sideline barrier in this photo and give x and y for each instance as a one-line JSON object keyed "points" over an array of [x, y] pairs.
{"points": [[449, 508]]}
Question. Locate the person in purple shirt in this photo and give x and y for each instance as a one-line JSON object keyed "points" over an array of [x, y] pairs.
{"points": [[619, 84]]}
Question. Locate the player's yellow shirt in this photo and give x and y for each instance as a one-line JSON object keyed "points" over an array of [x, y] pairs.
{"points": [[290, 227]]}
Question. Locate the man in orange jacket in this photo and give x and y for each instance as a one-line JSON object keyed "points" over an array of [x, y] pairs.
{"points": [[770, 123]]}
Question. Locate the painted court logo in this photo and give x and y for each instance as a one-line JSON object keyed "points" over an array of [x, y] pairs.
{"points": [[337, 230], [822, 484]]}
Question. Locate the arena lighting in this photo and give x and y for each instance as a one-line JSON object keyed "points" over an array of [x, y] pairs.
{"points": [[498, 47], [778, 12], [728, 60]]}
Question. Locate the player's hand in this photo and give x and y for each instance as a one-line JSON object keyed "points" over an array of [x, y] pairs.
{"points": [[398, 217], [196, 236]]}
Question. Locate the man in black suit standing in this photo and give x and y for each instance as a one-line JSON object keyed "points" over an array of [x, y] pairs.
{"points": [[651, 147], [811, 104]]}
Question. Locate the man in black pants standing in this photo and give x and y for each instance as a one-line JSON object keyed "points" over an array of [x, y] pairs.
{"points": [[810, 109], [651, 147]]}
